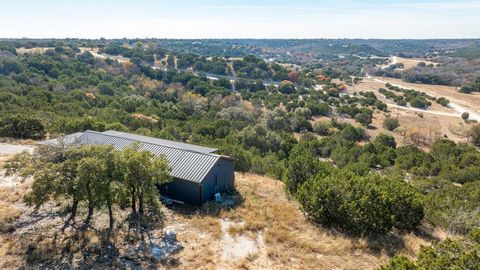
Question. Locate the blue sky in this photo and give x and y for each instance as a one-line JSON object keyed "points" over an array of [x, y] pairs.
{"points": [[240, 19]]}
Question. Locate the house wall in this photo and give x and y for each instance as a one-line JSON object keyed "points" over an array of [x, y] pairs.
{"points": [[220, 179], [182, 190]]}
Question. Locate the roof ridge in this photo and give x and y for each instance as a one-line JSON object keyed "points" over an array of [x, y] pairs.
{"points": [[172, 147], [121, 134]]}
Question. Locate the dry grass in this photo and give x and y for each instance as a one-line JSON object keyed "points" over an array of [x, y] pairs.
{"points": [[13, 195], [8, 214], [294, 242], [471, 101], [208, 225], [290, 239], [283, 237], [439, 125], [413, 62]]}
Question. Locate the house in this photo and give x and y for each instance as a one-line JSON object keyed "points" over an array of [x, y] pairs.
{"points": [[198, 173]]}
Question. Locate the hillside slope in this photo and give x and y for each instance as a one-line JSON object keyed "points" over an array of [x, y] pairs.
{"points": [[265, 230]]}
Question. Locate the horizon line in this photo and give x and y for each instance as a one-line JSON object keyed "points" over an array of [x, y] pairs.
{"points": [[244, 38]]}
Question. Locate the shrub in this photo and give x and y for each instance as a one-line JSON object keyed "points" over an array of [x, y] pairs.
{"points": [[465, 116], [380, 105], [243, 158], [474, 134], [363, 205], [21, 127], [419, 103], [321, 129], [391, 123], [351, 133], [303, 163], [452, 207], [443, 101], [286, 87], [473, 86], [399, 263], [364, 119], [448, 254]]}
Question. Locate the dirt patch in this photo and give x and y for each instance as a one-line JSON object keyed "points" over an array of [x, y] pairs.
{"points": [[7, 149], [237, 247]]}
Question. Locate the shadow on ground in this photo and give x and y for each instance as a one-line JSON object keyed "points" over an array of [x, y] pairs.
{"points": [[129, 246]]}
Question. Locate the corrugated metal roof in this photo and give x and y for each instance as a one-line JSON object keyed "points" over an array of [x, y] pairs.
{"points": [[185, 164], [66, 140], [140, 138]]}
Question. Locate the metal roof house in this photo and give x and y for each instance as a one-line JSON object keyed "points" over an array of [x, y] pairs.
{"points": [[198, 173]]}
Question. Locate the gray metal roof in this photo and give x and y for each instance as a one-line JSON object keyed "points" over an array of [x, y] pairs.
{"points": [[66, 140], [140, 138], [186, 164]]}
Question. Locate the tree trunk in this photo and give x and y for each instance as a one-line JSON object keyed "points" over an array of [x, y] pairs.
{"points": [[109, 205], [134, 204], [73, 211], [90, 204], [140, 203], [110, 215]]}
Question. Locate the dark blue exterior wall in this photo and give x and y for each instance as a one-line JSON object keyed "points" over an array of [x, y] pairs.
{"points": [[219, 179], [182, 190]]}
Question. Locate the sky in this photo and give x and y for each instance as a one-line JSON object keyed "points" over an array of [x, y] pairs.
{"points": [[240, 19]]}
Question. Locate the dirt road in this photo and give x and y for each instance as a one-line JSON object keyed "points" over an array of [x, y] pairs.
{"points": [[10, 149], [474, 115]]}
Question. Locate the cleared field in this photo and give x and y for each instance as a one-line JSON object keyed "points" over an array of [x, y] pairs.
{"points": [[435, 122], [408, 62], [460, 102], [34, 50]]}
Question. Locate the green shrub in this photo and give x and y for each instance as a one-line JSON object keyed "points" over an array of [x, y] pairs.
{"points": [[474, 134], [448, 254], [442, 101], [351, 133], [364, 119], [286, 87], [363, 205], [391, 123], [419, 103], [22, 127], [453, 207], [243, 158], [321, 129], [399, 263]]}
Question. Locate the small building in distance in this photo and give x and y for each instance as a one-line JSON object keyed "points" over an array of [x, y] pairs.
{"points": [[198, 173]]}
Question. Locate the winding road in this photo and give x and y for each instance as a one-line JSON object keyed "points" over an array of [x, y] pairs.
{"points": [[210, 76], [460, 109]]}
